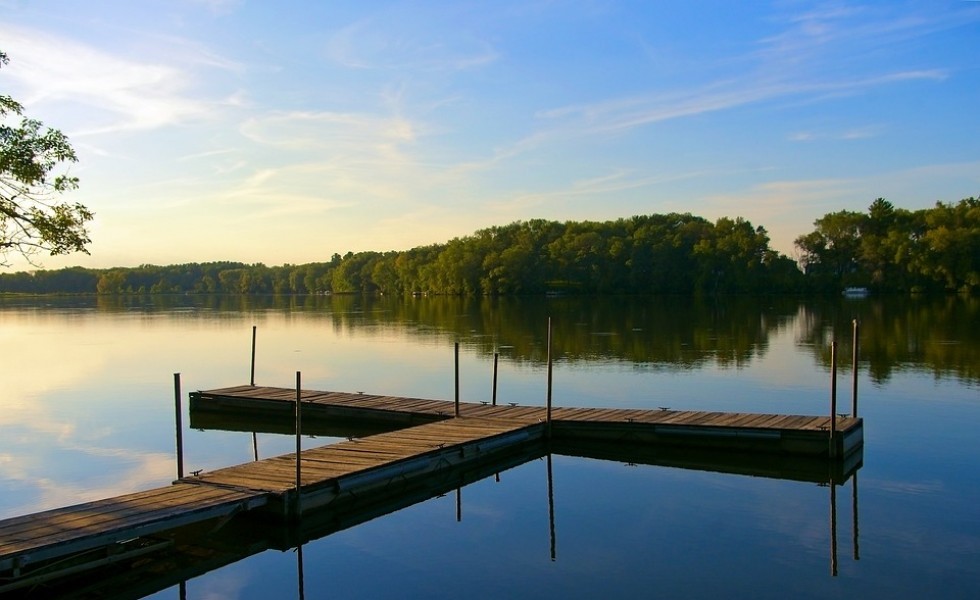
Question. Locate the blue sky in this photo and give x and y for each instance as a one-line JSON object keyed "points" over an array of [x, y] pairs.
{"points": [[282, 132]]}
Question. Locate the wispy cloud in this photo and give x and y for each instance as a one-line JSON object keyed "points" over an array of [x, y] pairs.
{"points": [[624, 114], [833, 31], [301, 130], [854, 133], [797, 64], [218, 7], [619, 180], [116, 93], [382, 42]]}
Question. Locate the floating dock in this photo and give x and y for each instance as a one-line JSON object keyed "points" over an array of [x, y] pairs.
{"points": [[425, 440], [769, 433]]}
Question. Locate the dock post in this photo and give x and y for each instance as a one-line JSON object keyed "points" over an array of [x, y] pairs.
{"points": [[549, 379], [833, 399], [180, 427], [854, 369], [299, 447], [252, 377], [493, 396], [456, 370]]}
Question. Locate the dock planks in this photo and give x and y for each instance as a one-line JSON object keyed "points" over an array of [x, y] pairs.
{"points": [[321, 465], [53, 533], [429, 441], [329, 473], [246, 398]]}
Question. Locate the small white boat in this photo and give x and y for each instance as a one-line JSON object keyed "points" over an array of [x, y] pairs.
{"points": [[855, 292]]}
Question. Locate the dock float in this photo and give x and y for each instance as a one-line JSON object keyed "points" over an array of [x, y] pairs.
{"points": [[35, 540], [351, 469], [420, 441], [773, 433]]}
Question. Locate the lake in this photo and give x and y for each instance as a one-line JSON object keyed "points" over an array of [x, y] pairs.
{"points": [[87, 413]]}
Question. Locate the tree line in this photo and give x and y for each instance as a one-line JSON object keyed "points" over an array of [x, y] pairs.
{"points": [[672, 253], [894, 249], [887, 249]]}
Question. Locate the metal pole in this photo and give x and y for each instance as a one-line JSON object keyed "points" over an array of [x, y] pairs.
{"points": [[549, 379], [252, 379], [179, 426], [459, 505], [456, 355], [854, 369], [255, 446], [299, 446], [496, 355]]}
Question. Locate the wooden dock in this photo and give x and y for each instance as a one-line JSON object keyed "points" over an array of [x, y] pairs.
{"points": [[775, 433], [357, 467], [35, 540], [429, 443]]}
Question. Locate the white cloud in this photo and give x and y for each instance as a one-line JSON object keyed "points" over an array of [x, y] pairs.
{"points": [[335, 132], [853, 133], [628, 113], [218, 7], [108, 93], [602, 188], [833, 32], [383, 42]]}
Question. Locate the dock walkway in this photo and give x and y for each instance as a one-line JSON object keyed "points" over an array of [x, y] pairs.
{"points": [[429, 440], [362, 465], [37, 538], [777, 433]]}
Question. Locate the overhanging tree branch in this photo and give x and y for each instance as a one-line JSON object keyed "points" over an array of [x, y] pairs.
{"points": [[33, 219]]}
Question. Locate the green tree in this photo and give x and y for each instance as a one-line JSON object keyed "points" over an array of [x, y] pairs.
{"points": [[832, 250], [950, 247], [32, 216]]}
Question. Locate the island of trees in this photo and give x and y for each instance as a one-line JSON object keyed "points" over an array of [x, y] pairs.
{"points": [[886, 249]]}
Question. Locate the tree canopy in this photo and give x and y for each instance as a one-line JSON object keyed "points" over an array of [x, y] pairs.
{"points": [[33, 218], [672, 253], [894, 249]]}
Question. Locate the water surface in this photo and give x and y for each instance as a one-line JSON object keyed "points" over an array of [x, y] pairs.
{"points": [[88, 413]]}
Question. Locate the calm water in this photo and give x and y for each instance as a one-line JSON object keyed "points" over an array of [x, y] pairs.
{"points": [[87, 412]]}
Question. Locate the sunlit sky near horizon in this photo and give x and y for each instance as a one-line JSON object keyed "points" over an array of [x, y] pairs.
{"points": [[283, 132]]}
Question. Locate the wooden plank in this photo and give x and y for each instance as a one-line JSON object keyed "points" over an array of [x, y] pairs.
{"points": [[780, 421], [671, 417], [64, 524], [569, 414], [532, 413], [755, 421], [119, 507], [748, 420]]}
